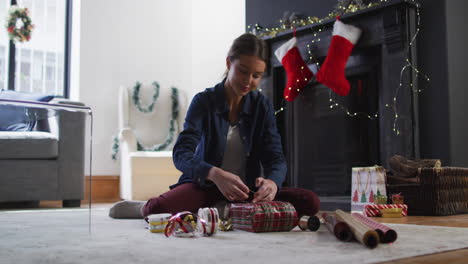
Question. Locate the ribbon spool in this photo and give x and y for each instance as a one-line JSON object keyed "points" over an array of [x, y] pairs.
{"points": [[311, 223], [157, 222], [208, 220]]}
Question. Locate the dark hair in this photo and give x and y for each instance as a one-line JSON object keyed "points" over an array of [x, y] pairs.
{"points": [[250, 45]]}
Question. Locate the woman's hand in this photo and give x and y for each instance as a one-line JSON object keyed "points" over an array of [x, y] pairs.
{"points": [[266, 192], [230, 185]]}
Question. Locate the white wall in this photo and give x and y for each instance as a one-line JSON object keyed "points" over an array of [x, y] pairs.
{"points": [[215, 24], [176, 43]]}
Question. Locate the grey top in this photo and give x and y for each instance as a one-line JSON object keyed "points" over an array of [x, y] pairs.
{"points": [[234, 157]]}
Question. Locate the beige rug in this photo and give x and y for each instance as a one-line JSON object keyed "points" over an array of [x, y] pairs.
{"points": [[62, 236]]}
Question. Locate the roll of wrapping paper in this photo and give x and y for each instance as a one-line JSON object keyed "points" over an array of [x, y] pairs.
{"points": [[386, 234], [340, 229], [361, 232]]}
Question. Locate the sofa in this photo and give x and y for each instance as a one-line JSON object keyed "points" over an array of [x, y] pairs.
{"points": [[44, 159]]}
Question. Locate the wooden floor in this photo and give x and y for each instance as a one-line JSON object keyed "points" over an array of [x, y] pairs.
{"points": [[450, 257]]}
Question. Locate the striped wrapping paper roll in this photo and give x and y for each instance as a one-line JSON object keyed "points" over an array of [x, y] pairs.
{"points": [[374, 209], [361, 232], [341, 230], [386, 234]]}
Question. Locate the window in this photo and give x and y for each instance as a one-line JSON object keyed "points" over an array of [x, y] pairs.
{"points": [[40, 65]]}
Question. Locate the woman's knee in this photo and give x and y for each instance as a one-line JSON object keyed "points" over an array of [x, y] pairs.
{"points": [[152, 206], [313, 200], [305, 201]]}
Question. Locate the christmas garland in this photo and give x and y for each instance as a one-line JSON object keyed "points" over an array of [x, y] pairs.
{"points": [[18, 24], [136, 97], [172, 123], [172, 129], [296, 20]]}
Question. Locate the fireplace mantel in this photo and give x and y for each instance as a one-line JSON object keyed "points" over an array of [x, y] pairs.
{"points": [[317, 160]]}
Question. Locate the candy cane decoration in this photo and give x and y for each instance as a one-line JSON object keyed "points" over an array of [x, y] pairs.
{"points": [[374, 209]]}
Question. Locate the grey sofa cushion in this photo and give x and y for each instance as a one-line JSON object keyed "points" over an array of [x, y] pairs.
{"points": [[28, 145]]}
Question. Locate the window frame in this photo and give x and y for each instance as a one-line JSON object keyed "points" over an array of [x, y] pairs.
{"points": [[67, 52]]}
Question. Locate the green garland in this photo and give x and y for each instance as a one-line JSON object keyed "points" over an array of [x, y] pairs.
{"points": [[18, 24], [172, 123], [136, 97], [172, 129]]}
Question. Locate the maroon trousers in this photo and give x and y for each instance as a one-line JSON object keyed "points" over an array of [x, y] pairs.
{"points": [[190, 197]]}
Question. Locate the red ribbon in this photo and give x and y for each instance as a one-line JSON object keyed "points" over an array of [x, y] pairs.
{"points": [[175, 222]]}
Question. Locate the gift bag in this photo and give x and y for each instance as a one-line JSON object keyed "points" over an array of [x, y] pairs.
{"points": [[367, 183], [263, 216]]}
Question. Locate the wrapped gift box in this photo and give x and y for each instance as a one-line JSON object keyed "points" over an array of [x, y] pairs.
{"points": [[374, 209], [263, 216]]}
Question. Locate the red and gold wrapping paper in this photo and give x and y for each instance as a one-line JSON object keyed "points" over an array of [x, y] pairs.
{"points": [[374, 209], [361, 232], [386, 234], [263, 216], [341, 230]]}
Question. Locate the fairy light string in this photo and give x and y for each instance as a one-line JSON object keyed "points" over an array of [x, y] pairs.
{"points": [[408, 65], [316, 24]]}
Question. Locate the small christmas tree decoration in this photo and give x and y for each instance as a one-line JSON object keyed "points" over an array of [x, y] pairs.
{"points": [[298, 74], [355, 196], [332, 72], [363, 198]]}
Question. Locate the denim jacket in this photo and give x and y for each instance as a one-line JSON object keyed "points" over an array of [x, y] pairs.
{"points": [[201, 144]]}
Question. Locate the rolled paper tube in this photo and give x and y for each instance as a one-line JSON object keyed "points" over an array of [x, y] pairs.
{"points": [[341, 230], [311, 223], [387, 235], [361, 232]]}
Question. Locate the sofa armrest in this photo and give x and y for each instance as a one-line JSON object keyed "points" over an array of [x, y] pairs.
{"points": [[71, 153], [65, 101]]}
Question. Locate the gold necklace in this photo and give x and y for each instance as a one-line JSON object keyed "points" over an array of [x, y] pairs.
{"points": [[359, 182]]}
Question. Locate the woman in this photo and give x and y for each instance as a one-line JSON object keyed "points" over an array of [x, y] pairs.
{"points": [[229, 134]]}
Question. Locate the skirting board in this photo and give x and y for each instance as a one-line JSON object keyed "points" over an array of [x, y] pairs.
{"points": [[103, 188]]}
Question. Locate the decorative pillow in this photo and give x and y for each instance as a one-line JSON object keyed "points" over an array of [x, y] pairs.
{"points": [[14, 118]]}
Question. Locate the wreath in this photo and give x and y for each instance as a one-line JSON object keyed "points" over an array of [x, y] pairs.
{"points": [[18, 24]]}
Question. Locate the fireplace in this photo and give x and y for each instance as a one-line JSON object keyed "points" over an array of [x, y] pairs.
{"points": [[322, 144]]}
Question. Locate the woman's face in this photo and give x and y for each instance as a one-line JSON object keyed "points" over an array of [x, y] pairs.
{"points": [[244, 73]]}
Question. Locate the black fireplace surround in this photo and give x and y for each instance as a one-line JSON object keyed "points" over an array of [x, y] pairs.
{"points": [[322, 144]]}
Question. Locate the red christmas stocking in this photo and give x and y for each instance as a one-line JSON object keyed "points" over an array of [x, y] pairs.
{"points": [[332, 72], [298, 74]]}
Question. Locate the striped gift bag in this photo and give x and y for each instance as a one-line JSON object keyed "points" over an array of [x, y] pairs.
{"points": [[263, 216]]}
